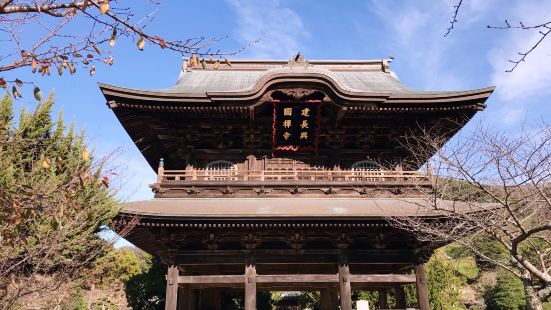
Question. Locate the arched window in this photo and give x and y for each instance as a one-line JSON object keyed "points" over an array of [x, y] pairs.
{"points": [[221, 165], [366, 170], [221, 170], [365, 165]]}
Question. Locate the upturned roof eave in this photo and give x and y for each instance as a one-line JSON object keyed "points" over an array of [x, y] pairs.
{"points": [[193, 209], [117, 92]]}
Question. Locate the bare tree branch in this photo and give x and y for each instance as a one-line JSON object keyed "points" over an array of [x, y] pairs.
{"points": [[543, 30], [71, 34], [512, 173], [454, 18]]}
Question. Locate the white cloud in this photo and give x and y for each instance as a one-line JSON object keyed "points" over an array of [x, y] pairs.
{"points": [[532, 77], [416, 31], [416, 34], [474, 10], [405, 22], [278, 28]]}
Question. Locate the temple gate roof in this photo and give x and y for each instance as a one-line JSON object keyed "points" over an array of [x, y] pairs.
{"points": [[244, 75], [228, 106]]}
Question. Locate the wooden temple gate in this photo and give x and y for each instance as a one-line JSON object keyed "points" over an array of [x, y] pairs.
{"points": [[283, 175], [335, 289]]}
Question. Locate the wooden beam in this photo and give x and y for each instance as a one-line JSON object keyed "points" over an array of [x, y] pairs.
{"points": [[225, 257], [383, 278], [172, 288], [224, 279], [297, 278], [422, 287]]}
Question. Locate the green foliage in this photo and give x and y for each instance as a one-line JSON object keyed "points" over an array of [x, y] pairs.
{"points": [[467, 268], [53, 201], [232, 300], [119, 265], [456, 250], [6, 116], [444, 284], [263, 301], [531, 247], [462, 261], [146, 290], [460, 190], [507, 294], [371, 296], [411, 295], [105, 304], [77, 300], [304, 300], [492, 249]]}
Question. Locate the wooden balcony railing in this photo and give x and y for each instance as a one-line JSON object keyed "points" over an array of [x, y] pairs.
{"points": [[375, 176]]}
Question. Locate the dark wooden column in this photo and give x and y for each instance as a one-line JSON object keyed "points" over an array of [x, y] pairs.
{"points": [[210, 299], [334, 293], [172, 288], [186, 299], [325, 299], [250, 284], [344, 283], [216, 298], [400, 295], [383, 298], [329, 298], [422, 287]]}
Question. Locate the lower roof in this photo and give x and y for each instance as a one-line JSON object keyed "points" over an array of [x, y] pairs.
{"points": [[297, 208]]}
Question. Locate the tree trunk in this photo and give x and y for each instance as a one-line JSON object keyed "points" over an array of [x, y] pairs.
{"points": [[533, 301]]}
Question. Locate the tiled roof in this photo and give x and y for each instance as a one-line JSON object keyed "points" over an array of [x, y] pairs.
{"points": [[282, 208], [202, 81], [355, 78]]}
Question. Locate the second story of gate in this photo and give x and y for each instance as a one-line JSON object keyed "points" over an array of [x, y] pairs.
{"points": [[267, 128]]}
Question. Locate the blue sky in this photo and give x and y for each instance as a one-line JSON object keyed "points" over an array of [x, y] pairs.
{"points": [[472, 56]]}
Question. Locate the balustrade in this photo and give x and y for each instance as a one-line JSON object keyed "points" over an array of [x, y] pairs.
{"points": [[291, 175]]}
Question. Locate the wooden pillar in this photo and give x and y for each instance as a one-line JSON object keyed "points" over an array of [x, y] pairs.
{"points": [[172, 288], [400, 295], [325, 299], [344, 283], [216, 298], [250, 284], [383, 298], [422, 287], [334, 293], [186, 300], [210, 298]]}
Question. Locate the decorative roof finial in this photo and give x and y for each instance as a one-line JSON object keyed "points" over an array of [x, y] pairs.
{"points": [[298, 59]]}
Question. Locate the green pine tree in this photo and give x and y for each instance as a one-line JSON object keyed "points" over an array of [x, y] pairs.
{"points": [[507, 294], [146, 290], [55, 200], [444, 284]]}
